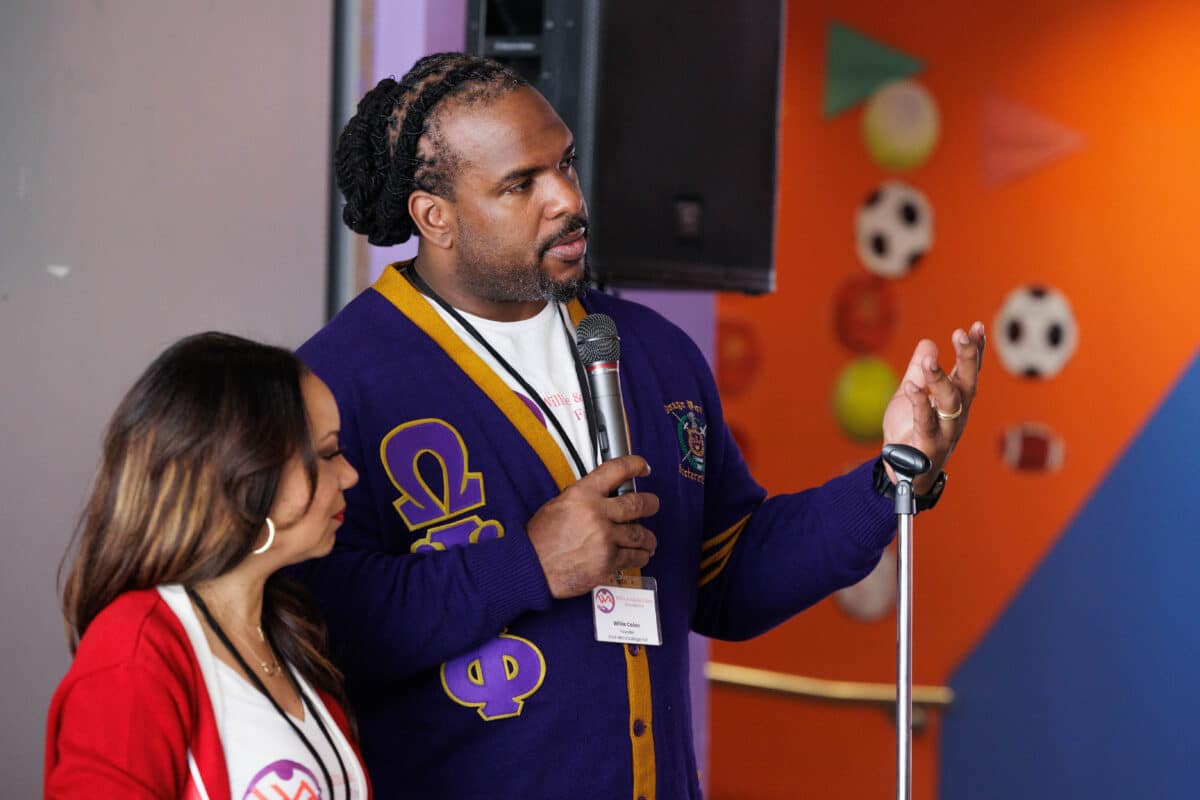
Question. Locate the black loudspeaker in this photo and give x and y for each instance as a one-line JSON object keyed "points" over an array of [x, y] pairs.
{"points": [[675, 109]]}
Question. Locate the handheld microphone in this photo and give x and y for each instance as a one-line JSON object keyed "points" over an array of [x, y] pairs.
{"points": [[600, 351]]}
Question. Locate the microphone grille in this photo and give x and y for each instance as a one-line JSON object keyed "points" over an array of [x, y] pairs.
{"points": [[597, 340]]}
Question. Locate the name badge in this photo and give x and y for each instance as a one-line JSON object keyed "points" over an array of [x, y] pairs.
{"points": [[627, 613]]}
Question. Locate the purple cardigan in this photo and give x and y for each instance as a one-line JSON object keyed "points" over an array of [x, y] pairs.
{"points": [[467, 679]]}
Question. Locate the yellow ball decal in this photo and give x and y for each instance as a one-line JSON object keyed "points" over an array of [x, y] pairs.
{"points": [[860, 397], [900, 125]]}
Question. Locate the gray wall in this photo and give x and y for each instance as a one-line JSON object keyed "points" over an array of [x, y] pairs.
{"points": [[173, 156]]}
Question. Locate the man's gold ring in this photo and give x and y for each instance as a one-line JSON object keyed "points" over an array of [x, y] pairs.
{"points": [[954, 415]]}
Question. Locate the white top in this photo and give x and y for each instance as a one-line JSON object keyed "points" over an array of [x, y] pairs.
{"points": [[541, 350], [264, 756]]}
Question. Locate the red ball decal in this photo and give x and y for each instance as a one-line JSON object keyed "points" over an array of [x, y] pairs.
{"points": [[865, 312], [739, 356]]}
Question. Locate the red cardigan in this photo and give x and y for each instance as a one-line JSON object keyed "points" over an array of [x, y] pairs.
{"points": [[132, 718]]}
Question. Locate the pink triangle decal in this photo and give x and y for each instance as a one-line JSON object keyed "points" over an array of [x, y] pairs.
{"points": [[1018, 141]]}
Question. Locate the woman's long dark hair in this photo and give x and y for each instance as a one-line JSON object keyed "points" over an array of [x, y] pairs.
{"points": [[192, 460]]}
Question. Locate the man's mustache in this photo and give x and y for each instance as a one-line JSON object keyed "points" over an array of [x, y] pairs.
{"points": [[572, 225]]}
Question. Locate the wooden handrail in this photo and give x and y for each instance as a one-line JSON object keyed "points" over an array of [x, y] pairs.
{"points": [[820, 689]]}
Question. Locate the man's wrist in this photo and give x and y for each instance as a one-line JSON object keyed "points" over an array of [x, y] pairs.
{"points": [[923, 502]]}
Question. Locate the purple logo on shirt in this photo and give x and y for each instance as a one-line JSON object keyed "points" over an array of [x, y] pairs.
{"points": [[605, 601], [537, 412], [497, 678], [283, 780]]}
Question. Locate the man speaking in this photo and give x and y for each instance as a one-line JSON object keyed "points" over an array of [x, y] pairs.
{"points": [[509, 626]]}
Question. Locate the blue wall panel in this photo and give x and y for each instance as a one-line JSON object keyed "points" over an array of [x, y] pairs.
{"points": [[1088, 685]]}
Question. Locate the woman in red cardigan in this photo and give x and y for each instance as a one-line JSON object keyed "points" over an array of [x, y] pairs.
{"points": [[199, 671]]}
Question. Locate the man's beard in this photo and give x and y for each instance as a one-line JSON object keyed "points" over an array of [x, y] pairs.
{"points": [[489, 279]]}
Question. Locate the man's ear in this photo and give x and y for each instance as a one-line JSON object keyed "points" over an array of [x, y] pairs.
{"points": [[434, 217]]}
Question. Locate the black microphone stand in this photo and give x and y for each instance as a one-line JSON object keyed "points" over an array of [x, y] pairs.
{"points": [[907, 463]]}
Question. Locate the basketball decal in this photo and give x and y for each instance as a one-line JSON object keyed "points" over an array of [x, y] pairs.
{"points": [[865, 313], [739, 356]]}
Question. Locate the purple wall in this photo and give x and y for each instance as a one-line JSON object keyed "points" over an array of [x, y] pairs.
{"points": [[695, 312], [405, 30]]}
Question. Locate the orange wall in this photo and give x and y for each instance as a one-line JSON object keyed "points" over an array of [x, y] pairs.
{"points": [[1113, 226]]}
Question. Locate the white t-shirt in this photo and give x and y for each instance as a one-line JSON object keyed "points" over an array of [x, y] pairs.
{"points": [[541, 350], [264, 756]]}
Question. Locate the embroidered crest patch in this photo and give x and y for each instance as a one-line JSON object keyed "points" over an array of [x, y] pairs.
{"points": [[691, 429]]}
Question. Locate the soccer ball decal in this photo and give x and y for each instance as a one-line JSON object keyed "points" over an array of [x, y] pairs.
{"points": [[874, 596], [1036, 333], [894, 229]]}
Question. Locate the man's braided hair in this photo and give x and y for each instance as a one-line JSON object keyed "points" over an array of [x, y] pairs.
{"points": [[377, 162]]}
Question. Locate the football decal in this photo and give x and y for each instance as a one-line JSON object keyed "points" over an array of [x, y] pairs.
{"points": [[1032, 447]]}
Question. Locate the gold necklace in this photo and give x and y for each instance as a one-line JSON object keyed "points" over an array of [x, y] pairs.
{"points": [[270, 668]]}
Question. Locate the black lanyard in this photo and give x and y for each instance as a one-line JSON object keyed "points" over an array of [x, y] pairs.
{"points": [[258, 684], [424, 288]]}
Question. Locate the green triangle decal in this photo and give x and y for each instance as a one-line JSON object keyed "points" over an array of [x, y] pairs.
{"points": [[855, 66]]}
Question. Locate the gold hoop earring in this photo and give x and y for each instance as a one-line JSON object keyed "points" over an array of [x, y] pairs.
{"points": [[270, 539]]}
